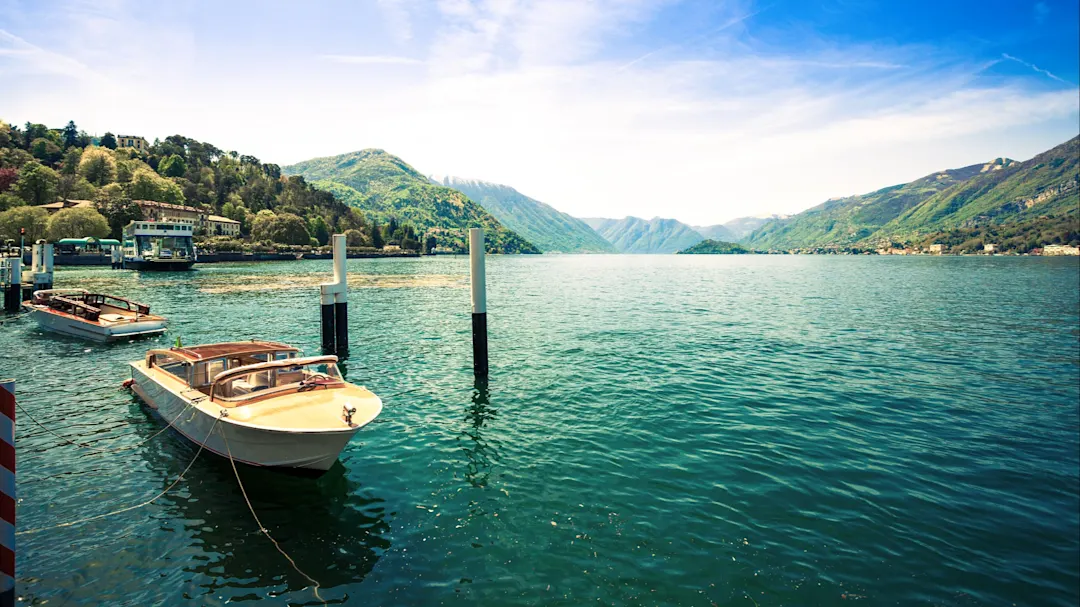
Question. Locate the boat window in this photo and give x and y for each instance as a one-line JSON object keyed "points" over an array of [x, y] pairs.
{"points": [[172, 365], [206, 372]]}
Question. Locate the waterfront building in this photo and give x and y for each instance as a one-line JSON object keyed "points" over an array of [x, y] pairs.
{"points": [[217, 225], [1060, 249]]}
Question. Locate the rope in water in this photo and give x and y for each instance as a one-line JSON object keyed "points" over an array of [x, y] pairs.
{"points": [[88, 445], [136, 506], [264, 530]]}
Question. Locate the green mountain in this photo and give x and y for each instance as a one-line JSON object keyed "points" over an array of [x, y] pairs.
{"points": [[1002, 192], [636, 235], [717, 232], [714, 247], [383, 186], [550, 230], [744, 226]]}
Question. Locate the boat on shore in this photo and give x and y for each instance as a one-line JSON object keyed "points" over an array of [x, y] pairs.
{"points": [[158, 245], [96, 316], [257, 402]]}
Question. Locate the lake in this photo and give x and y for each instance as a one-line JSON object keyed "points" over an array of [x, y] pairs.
{"points": [[658, 430]]}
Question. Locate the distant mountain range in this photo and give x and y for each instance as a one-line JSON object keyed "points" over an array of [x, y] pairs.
{"points": [[659, 235], [550, 230], [384, 186], [1035, 200], [636, 235]]}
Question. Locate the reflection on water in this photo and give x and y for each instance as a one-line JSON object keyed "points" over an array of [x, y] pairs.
{"points": [[481, 455]]}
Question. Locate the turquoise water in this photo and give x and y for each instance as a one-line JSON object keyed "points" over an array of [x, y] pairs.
{"points": [[658, 430]]}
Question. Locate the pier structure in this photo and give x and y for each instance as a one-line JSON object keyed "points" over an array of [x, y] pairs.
{"points": [[334, 297], [11, 277], [478, 284], [7, 493], [40, 274]]}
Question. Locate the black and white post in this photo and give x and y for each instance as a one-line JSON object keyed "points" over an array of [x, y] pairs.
{"points": [[334, 298], [479, 303], [13, 296]]}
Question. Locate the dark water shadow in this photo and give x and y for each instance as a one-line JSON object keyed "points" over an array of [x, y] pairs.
{"points": [[481, 455], [332, 527]]}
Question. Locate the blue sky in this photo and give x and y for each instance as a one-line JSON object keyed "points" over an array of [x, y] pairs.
{"points": [[702, 111]]}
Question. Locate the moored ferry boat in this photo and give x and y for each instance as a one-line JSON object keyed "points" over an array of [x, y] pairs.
{"points": [[257, 402], [94, 316], [158, 245]]}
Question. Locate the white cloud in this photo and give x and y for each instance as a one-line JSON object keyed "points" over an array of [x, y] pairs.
{"points": [[371, 59]]}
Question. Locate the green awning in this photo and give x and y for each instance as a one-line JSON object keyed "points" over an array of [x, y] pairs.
{"points": [[105, 242], [109, 242], [75, 241]]}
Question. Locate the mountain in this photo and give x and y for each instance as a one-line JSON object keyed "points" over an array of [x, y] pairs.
{"points": [[636, 235], [845, 221], [744, 226], [383, 186], [714, 247], [550, 230], [1023, 204], [717, 232]]}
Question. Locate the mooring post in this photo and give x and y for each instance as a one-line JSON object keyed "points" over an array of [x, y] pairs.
{"points": [[7, 493], [42, 267], [341, 298], [479, 303], [13, 297]]}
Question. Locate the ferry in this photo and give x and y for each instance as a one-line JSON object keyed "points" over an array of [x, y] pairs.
{"points": [[158, 245], [256, 402]]}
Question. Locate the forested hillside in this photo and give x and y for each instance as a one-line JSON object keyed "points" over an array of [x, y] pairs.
{"points": [[549, 229], [383, 185], [39, 165]]}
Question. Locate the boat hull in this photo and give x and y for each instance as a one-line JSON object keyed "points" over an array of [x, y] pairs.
{"points": [[158, 265], [314, 451], [76, 327]]}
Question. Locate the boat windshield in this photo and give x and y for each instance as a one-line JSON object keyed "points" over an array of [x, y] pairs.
{"points": [[262, 381]]}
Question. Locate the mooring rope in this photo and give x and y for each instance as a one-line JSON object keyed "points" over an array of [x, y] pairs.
{"points": [[8, 319], [88, 445], [136, 506], [264, 530]]}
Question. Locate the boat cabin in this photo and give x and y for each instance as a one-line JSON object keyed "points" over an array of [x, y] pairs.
{"points": [[233, 374], [91, 306]]}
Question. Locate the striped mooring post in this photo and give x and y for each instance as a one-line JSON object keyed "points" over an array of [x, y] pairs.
{"points": [[479, 303], [7, 493], [334, 297]]}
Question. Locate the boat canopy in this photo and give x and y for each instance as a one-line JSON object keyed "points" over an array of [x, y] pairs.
{"points": [[274, 364], [89, 241]]}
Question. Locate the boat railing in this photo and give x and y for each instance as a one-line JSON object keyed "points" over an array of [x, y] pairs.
{"points": [[74, 307], [99, 299]]}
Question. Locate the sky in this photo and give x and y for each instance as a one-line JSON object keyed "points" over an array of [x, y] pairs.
{"points": [[701, 110]]}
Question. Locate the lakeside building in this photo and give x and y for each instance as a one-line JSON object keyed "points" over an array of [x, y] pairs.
{"points": [[132, 141], [937, 248], [217, 225], [1060, 249], [174, 213], [989, 248], [53, 207]]}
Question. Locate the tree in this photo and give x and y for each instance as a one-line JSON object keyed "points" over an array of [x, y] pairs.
{"points": [[79, 222], [45, 150], [8, 177], [34, 219], [354, 238], [98, 166], [375, 235], [10, 201], [173, 166], [108, 140], [37, 184], [71, 160], [71, 134], [73, 187], [118, 209], [319, 230], [33, 131], [148, 185]]}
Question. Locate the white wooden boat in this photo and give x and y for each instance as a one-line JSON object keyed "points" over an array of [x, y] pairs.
{"points": [[93, 315], [271, 407]]}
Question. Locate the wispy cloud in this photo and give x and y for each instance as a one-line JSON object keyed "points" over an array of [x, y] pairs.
{"points": [[1034, 67], [1042, 11], [371, 59], [695, 40], [24, 57]]}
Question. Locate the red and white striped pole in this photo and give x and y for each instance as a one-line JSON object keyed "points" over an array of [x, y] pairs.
{"points": [[7, 493]]}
